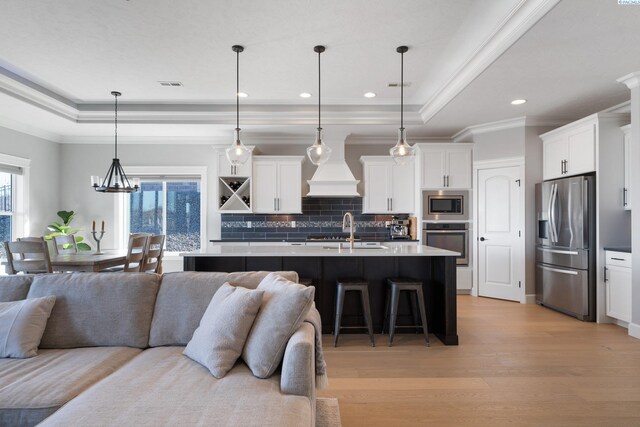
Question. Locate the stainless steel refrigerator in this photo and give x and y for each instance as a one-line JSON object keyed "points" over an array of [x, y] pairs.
{"points": [[565, 246]]}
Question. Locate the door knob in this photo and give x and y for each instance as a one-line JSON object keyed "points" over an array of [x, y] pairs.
{"points": [[482, 239]]}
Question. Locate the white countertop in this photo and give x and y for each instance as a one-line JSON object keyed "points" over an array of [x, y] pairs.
{"points": [[388, 249]]}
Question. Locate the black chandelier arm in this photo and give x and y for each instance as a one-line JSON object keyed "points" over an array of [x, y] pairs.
{"points": [[237, 89], [319, 90], [401, 90]]}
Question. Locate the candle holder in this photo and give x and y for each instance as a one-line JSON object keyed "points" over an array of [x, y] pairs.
{"points": [[97, 239]]}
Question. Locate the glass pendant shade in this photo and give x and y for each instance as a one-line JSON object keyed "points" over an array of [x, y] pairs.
{"points": [[319, 152], [115, 181], [402, 152], [238, 153]]}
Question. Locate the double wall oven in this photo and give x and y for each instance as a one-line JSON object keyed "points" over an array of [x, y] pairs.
{"points": [[440, 207]]}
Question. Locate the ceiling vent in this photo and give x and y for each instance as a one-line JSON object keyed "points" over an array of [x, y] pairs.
{"points": [[397, 84], [172, 84]]}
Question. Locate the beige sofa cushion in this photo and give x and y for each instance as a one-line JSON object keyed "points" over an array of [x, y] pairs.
{"points": [[189, 294], [162, 387], [218, 341], [32, 389], [14, 287], [22, 324], [284, 307], [97, 309]]}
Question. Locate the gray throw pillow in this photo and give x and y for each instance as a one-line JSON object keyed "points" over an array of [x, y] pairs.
{"points": [[22, 324], [284, 306], [223, 330]]}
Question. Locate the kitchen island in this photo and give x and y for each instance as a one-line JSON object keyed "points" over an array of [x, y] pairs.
{"points": [[436, 268]]}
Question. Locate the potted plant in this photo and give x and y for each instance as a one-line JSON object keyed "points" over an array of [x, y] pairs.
{"points": [[64, 229]]}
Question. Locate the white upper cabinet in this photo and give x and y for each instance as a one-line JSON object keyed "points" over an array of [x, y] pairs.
{"points": [[277, 184], [448, 167], [570, 152], [626, 191], [227, 169], [388, 187]]}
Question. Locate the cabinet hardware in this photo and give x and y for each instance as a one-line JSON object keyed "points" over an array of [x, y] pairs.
{"points": [[618, 259], [624, 197], [274, 204], [519, 283], [518, 181], [391, 202], [278, 204], [482, 239], [605, 274], [444, 180], [447, 180]]}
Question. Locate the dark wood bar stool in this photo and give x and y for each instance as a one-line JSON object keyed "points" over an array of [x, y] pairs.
{"points": [[397, 285], [362, 286]]}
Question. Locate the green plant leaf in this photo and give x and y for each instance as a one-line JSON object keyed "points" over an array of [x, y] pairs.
{"points": [[67, 246], [66, 216], [83, 247], [52, 235], [79, 239], [64, 229]]}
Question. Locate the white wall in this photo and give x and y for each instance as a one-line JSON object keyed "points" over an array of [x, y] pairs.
{"points": [[45, 191], [80, 161], [501, 144]]}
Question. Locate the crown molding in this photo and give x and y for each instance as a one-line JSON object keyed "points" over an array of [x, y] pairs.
{"points": [[632, 80], [521, 18], [467, 134], [29, 130], [623, 107]]}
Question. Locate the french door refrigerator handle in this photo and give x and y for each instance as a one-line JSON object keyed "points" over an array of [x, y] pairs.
{"points": [[555, 251], [557, 270], [552, 218]]}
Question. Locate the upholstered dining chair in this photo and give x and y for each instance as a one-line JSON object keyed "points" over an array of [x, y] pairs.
{"points": [[59, 243], [28, 256], [153, 256]]}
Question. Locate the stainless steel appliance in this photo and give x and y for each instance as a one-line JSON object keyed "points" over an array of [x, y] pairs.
{"points": [[399, 229], [565, 246], [445, 205], [453, 236]]}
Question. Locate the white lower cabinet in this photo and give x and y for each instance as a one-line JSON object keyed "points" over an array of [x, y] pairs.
{"points": [[618, 285]]}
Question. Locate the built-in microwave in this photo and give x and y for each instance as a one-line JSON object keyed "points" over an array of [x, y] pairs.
{"points": [[445, 205]]}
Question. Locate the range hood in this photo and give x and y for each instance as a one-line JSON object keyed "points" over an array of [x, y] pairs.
{"points": [[334, 178]]}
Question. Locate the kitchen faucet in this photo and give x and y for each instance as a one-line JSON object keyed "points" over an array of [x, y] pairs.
{"points": [[350, 239]]}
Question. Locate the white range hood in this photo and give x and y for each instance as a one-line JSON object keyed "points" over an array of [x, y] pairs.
{"points": [[334, 178]]}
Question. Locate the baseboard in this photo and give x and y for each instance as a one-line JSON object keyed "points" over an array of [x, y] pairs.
{"points": [[463, 291], [530, 299], [634, 330]]}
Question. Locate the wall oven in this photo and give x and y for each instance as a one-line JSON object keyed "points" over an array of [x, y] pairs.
{"points": [[445, 205], [452, 236]]}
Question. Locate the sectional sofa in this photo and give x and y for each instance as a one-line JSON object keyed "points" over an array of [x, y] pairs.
{"points": [[111, 354]]}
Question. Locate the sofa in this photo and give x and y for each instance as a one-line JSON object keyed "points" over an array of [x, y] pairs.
{"points": [[111, 354]]}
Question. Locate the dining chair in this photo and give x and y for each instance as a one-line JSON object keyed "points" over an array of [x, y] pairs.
{"points": [[153, 256], [28, 256], [135, 253], [59, 243]]}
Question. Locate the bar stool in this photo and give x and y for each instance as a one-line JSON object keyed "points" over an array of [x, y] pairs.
{"points": [[397, 285], [362, 286]]}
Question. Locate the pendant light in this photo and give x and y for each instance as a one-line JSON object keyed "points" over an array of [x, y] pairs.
{"points": [[319, 152], [238, 153], [402, 152], [115, 181]]}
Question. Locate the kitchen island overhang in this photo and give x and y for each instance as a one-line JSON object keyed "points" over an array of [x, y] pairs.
{"points": [[435, 267]]}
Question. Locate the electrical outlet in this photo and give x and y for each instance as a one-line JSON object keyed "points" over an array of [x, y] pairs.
{"points": [[248, 224], [293, 224]]}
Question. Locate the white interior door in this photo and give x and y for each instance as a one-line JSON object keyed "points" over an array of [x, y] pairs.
{"points": [[499, 253]]}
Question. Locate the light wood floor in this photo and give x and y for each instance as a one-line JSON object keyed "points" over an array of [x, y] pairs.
{"points": [[515, 365]]}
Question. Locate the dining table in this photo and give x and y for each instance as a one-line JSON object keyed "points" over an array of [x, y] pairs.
{"points": [[83, 261]]}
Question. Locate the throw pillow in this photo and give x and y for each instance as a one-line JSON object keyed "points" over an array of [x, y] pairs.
{"points": [[284, 306], [22, 324], [217, 343]]}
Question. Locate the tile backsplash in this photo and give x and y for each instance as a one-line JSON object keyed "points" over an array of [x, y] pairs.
{"points": [[320, 215]]}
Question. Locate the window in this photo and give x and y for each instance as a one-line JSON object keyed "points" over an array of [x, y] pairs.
{"points": [[169, 206], [6, 209], [171, 201]]}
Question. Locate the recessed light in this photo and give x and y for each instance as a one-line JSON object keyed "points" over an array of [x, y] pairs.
{"points": [[242, 95], [305, 95], [369, 95], [518, 101]]}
